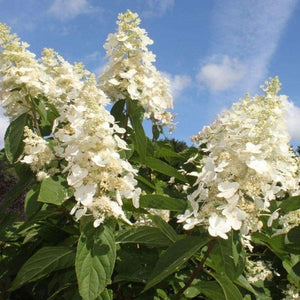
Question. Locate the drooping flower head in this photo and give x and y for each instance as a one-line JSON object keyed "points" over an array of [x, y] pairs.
{"points": [[247, 163], [130, 72]]}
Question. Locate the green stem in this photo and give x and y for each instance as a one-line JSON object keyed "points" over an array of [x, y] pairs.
{"points": [[198, 269], [126, 121]]}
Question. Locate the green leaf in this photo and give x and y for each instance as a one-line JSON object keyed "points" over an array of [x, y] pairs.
{"points": [[95, 260], [43, 262], [106, 295], [145, 181], [244, 283], [211, 290], [59, 290], [165, 228], [296, 269], [292, 266], [118, 112], [162, 202], [23, 171], [45, 213], [294, 235], [143, 235], [228, 256], [174, 257], [275, 243], [6, 221], [14, 136], [292, 241], [136, 112], [167, 153], [135, 264], [14, 193], [289, 204], [47, 112], [156, 130], [31, 204], [229, 288], [52, 191], [162, 167]]}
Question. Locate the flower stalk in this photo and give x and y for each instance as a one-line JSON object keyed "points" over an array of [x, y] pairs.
{"points": [[198, 269]]}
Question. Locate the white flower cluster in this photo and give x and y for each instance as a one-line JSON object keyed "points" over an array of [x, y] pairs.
{"points": [[21, 75], [37, 154], [65, 80], [85, 134], [89, 142], [291, 292], [24, 77], [289, 221], [257, 270], [143, 219], [130, 72], [247, 163]]}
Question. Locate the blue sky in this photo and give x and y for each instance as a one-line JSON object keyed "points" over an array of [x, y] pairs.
{"points": [[212, 51]]}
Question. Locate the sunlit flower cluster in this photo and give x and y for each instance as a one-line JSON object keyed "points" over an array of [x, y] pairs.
{"points": [[21, 75], [130, 72], [65, 80], [91, 145], [24, 77], [247, 163]]}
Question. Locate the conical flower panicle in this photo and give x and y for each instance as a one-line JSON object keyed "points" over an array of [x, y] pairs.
{"points": [[247, 163], [130, 72], [25, 77], [21, 75], [89, 142]]}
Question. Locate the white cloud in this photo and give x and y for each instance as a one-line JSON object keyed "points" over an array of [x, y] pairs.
{"points": [[249, 31], [3, 126], [221, 74], [92, 56], [157, 8], [98, 70], [178, 83], [69, 9], [293, 121]]}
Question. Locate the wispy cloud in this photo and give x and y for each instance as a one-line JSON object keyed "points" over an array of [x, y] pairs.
{"points": [[293, 117], [69, 9], [157, 8], [96, 61], [221, 73], [247, 32], [98, 69], [178, 83]]}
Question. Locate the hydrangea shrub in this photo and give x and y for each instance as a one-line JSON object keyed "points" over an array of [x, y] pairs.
{"points": [[113, 214]]}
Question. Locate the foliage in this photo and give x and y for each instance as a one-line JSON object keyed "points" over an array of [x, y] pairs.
{"points": [[103, 199]]}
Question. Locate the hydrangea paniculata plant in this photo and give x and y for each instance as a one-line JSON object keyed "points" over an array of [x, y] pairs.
{"points": [[86, 138]]}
